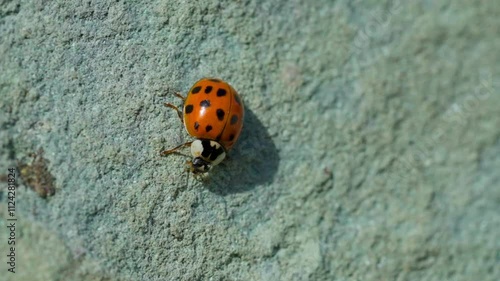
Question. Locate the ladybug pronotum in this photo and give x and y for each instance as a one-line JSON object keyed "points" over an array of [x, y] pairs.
{"points": [[213, 114]]}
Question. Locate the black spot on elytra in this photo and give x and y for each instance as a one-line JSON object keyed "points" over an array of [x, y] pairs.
{"points": [[205, 103], [234, 119], [196, 90], [208, 128], [231, 137], [196, 125], [220, 114], [214, 80], [208, 89], [221, 92], [189, 108], [237, 98]]}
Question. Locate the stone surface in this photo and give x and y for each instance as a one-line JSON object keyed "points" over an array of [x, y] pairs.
{"points": [[370, 150]]}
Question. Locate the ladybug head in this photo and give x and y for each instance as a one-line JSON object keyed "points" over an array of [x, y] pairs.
{"points": [[206, 154], [200, 166]]}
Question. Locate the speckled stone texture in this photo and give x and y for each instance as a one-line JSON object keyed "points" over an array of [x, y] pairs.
{"points": [[370, 149]]}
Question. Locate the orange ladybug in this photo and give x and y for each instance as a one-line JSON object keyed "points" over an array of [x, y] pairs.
{"points": [[213, 114]]}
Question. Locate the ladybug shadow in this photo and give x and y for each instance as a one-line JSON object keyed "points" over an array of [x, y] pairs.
{"points": [[253, 160]]}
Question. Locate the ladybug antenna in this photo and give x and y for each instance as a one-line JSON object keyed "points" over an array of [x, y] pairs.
{"points": [[187, 178], [188, 171]]}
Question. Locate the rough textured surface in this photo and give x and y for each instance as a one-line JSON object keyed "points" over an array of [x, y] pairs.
{"points": [[370, 151]]}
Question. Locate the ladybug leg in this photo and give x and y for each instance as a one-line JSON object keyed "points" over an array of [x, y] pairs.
{"points": [[179, 112], [177, 94], [174, 150]]}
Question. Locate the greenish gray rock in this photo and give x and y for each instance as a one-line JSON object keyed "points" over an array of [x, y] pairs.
{"points": [[370, 149]]}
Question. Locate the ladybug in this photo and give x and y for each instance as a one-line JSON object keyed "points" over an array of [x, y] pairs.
{"points": [[213, 114]]}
